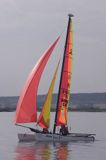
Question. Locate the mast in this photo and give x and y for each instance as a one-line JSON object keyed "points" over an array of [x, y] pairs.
{"points": [[69, 20]]}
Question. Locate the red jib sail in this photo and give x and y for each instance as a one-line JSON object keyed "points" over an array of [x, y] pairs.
{"points": [[64, 93], [26, 107]]}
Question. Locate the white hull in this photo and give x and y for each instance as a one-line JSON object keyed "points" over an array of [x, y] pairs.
{"points": [[68, 138], [73, 137], [26, 137]]}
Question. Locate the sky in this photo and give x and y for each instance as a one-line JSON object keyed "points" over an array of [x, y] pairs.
{"points": [[28, 27]]}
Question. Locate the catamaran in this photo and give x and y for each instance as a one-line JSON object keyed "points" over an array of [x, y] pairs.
{"points": [[26, 111]]}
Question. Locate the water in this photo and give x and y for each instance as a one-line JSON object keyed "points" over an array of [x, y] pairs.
{"points": [[11, 149]]}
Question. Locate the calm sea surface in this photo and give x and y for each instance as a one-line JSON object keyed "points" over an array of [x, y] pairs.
{"points": [[11, 149]]}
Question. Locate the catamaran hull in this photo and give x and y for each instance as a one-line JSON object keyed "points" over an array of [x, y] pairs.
{"points": [[67, 138], [26, 137], [73, 137]]}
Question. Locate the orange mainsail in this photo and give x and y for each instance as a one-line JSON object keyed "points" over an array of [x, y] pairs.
{"points": [[64, 89], [26, 107], [44, 118]]}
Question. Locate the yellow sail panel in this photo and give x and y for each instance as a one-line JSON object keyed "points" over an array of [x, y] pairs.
{"points": [[44, 118], [65, 81]]}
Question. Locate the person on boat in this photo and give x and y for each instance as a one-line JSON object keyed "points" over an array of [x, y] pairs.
{"points": [[64, 130], [45, 130]]}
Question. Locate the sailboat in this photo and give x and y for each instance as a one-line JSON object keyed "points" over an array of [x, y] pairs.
{"points": [[26, 111]]}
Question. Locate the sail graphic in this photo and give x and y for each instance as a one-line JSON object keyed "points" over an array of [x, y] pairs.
{"points": [[26, 107], [65, 81], [44, 118]]}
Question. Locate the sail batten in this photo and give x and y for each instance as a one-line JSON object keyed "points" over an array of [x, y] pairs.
{"points": [[26, 108]]}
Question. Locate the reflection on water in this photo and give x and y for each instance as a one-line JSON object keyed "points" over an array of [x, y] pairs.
{"points": [[10, 149], [25, 151], [41, 151], [62, 152]]}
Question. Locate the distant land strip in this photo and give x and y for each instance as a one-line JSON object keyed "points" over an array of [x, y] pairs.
{"points": [[83, 102]]}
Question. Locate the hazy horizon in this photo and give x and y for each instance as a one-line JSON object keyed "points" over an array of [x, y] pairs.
{"points": [[29, 27], [44, 94]]}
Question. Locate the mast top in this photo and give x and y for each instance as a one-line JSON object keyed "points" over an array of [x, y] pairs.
{"points": [[70, 15]]}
